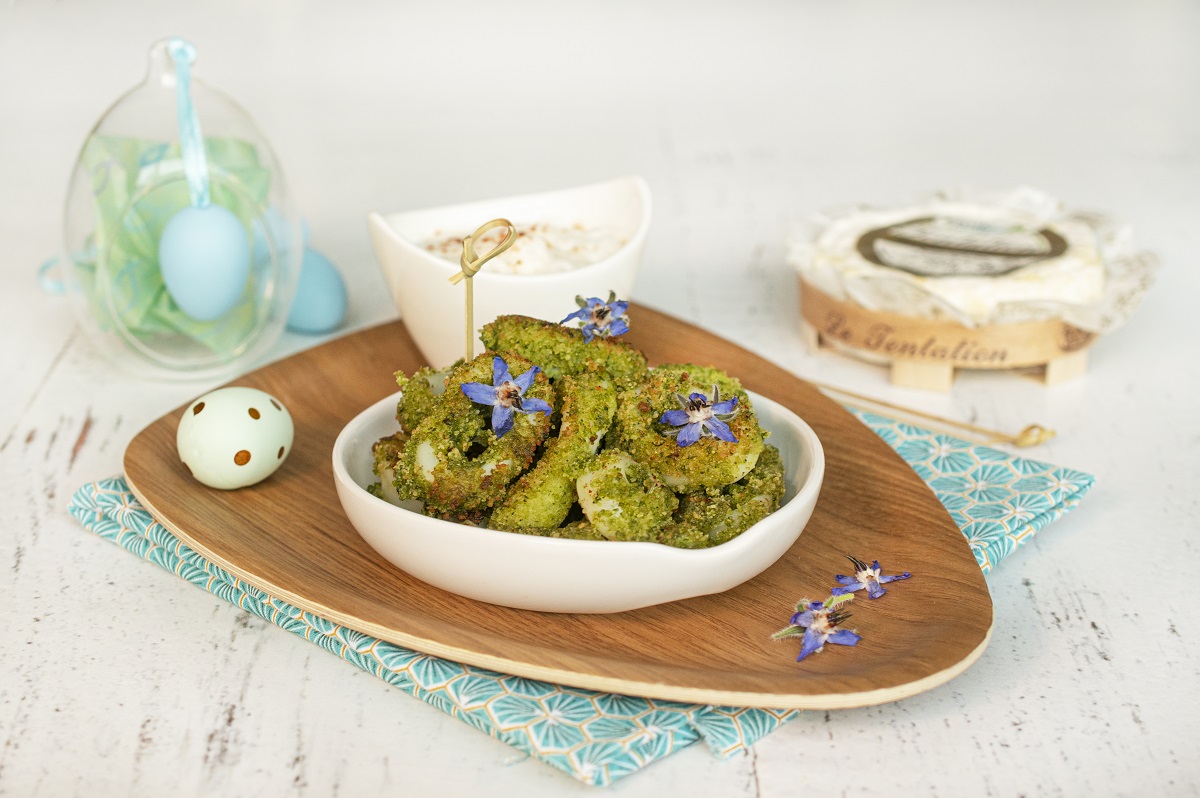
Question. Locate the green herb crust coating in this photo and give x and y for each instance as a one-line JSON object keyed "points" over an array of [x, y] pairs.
{"points": [[576, 530], [561, 350], [421, 393], [542, 497], [453, 461], [604, 450], [713, 516], [623, 499], [707, 463]]}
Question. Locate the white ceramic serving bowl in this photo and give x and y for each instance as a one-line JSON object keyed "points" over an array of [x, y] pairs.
{"points": [[433, 308], [556, 575]]}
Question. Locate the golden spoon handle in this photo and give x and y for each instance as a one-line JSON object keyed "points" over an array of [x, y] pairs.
{"points": [[1033, 435]]}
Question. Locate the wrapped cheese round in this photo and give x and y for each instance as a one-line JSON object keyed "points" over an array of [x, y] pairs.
{"points": [[977, 260]]}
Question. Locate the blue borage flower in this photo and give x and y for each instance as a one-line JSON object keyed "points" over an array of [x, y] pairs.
{"points": [[506, 395], [600, 319], [865, 577], [700, 418], [817, 622]]}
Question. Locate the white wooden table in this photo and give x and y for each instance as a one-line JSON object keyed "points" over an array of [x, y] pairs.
{"points": [[118, 679]]}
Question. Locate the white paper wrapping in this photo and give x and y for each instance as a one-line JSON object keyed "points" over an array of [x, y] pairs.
{"points": [[977, 259]]}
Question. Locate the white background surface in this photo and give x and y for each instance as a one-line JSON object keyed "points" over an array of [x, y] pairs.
{"points": [[118, 679]]}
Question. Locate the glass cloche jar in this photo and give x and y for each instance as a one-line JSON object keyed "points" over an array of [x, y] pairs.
{"points": [[169, 148]]}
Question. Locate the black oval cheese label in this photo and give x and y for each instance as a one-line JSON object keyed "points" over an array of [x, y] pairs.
{"points": [[942, 246]]}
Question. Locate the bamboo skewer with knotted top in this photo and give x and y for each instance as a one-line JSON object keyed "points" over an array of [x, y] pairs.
{"points": [[471, 263]]}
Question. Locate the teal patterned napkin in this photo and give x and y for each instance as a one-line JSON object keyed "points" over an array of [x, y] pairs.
{"points": [[998, 500]]}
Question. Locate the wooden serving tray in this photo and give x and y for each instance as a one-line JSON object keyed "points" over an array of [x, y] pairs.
{"points": [[289, 537]]}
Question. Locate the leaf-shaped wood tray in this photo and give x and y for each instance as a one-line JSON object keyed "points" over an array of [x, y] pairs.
{"points": [[289, 537]]}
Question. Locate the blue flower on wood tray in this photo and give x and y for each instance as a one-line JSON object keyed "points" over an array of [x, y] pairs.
{"points": [[506, 395], [817, 623], [869, 577]]}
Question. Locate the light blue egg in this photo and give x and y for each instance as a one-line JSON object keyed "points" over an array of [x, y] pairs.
{"points": [[282, 231], [320, 304], [204, 256]]}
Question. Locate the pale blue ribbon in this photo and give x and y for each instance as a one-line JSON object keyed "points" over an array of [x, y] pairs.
{"points": [[50, 282], [191, 140]]}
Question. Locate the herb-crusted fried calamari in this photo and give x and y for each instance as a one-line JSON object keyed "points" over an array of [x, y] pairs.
{"points": [[421, 392], [709, 462], [560, 350], [623, 499], [454, 462], [543, 496], [712, 516], [674, 456]]}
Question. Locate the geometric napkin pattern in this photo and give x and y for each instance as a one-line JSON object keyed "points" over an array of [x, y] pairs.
{"points": [[998, 501]]}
